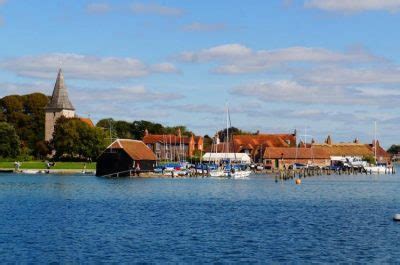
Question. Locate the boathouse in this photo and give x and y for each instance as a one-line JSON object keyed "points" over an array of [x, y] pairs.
{"points": [[279, 157], [123, 156]]}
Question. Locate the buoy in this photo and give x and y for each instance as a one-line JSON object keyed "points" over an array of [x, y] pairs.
{"points": [[396, 217], [298, 182]]}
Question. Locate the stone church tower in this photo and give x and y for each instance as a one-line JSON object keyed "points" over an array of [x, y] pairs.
{"points": [[58, 106]]}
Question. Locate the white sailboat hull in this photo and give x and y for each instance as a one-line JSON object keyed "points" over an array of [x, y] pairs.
{"points": [[379, 169]]}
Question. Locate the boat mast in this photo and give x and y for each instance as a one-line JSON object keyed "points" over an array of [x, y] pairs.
{"points": [[227, 127], [375, 141]]}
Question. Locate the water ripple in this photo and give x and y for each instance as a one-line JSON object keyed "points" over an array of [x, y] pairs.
{"points": [[77, 219]]}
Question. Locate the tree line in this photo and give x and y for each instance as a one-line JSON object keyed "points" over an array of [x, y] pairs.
{"points": [[22, 122], [22, 119], [136, 129]]}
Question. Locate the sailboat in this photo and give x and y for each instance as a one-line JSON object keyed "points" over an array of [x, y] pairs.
{"points": [[377, 168], [228, 169]]}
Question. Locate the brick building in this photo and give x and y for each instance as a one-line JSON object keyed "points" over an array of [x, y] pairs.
{"points": [[174, 147]]}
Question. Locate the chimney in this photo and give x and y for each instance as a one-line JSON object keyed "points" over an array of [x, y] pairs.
{"points": [[312, 141], [146, 132], [356, 141], [179, 133], [328, 140]]}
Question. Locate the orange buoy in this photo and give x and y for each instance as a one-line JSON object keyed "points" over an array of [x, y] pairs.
{"points": [[298, 181]]}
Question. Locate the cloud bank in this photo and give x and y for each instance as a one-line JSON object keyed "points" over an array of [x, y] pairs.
{"points": [[155, 9], [197, 26], [84, 66], [353, 6], [238, 59]]}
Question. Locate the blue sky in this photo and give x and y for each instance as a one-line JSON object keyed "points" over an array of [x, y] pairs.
{"points": [[326, 65]]}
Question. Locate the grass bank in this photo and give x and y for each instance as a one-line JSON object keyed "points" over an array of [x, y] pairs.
{"points": [[42, 165]]}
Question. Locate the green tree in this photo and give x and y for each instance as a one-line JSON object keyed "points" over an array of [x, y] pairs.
{"points": [[370, 159], [136, 129], [232, 131], [139, 127], [75, 139], [26, 114], [9, 141], [394, 149], [207, 141]]}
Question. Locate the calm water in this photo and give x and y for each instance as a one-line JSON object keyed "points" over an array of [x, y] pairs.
{"points": [[88, 219]]}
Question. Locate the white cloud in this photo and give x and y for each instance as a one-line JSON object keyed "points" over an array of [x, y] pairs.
{"points": [[8, 88], [98, 8], [137, 93], [225, 52], [155, 9], [293, 91], [238, 59], [334, 75], [83, 66], [352, 6], [197, 26], [164, 68]]}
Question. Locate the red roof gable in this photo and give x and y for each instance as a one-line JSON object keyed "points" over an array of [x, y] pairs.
{"points": [[87, 121], [137, 150]]}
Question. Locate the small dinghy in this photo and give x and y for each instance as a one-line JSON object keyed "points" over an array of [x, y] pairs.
{"points": [[30, 171], [396, 217]]}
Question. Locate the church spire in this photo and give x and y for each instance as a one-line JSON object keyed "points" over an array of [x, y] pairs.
{"points": [[59, 99]]}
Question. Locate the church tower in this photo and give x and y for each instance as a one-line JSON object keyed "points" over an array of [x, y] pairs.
{"points": [[58, 106]]}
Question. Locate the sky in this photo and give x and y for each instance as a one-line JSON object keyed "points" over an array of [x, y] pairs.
{"points": [[325, 67]]}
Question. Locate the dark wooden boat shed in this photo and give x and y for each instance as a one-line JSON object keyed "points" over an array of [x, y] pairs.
{"points": [[124, 155]]}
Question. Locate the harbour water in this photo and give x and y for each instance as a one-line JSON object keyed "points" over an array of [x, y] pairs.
{"points": [[84, 219]]}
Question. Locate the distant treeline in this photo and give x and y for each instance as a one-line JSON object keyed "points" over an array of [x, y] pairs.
{"points": [[394, 149], [136, 129], [22, 120]]}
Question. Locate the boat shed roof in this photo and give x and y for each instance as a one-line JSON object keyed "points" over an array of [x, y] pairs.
{"points": [[137, 150]]}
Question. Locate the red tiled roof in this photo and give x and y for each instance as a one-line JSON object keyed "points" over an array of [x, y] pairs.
{"points": [[267, 140], [165, 138], [345, 149], [137, 150], [295, 153], [87, 121]]}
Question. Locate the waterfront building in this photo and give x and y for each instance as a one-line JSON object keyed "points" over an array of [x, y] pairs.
{"points": [[173, 147], [59, 106], [124, 155], [354, 149], [254, 145], [279, 157]]}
